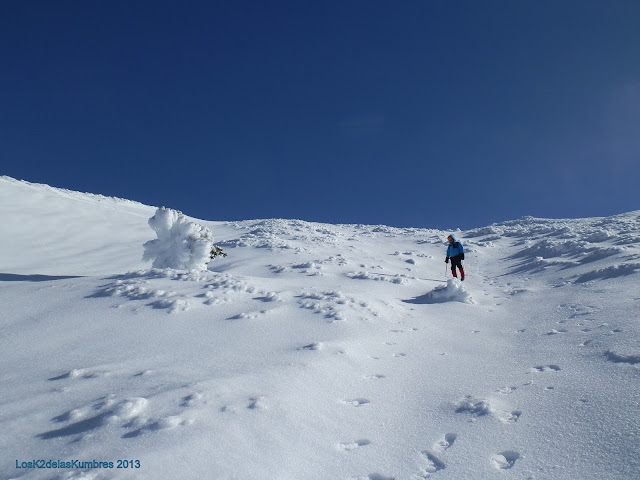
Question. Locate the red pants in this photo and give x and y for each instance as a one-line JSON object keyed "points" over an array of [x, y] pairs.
{"points": [[457, 262]]}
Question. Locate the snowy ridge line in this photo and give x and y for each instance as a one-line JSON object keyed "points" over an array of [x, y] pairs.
{"points": [[617, 228], [530, 220], [72, 193], [284, 226]]}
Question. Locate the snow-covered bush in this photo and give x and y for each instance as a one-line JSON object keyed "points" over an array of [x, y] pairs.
{"points": [[181, 244]]}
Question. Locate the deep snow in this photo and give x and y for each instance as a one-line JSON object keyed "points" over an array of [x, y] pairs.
{"points": [[316, 351]]}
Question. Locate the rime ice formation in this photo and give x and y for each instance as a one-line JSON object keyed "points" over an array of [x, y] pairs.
{"points": [[181, 244]]}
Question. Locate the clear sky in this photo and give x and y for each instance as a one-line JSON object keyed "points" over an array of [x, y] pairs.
{"points": [[425, 113]]}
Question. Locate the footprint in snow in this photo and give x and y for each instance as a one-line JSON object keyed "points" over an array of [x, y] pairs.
{"points": [[83, 373], [631, 359], [546, 368], [164, 423], [508, 418], [256, 403], [556, 331], [433, 464], [446, 442], [191, 400], [248, 315], [473, 406], [505, 460], [347, 447], [615, 331], [357, 402], [373, 476]]}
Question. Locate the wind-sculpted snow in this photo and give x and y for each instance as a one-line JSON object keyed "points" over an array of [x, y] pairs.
{"points": [[181, 244], [364, 275], [569, 245], [613, 271], [317, 351], [281, 234], [175, 290], [301, 236]]}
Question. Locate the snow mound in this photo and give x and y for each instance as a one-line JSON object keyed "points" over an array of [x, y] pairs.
{"points": [[453, 291], [181, 244]]}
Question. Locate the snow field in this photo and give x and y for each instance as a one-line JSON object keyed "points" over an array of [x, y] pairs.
{"points": [[318, 351]]}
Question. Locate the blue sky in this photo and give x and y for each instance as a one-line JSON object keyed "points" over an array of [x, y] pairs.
{"points": [[414, 113]]}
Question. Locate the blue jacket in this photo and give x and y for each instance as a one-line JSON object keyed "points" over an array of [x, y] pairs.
{"points": [[453, 251]]}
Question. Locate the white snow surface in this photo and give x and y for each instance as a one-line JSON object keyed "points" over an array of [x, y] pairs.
{"points": [[315, 351]]}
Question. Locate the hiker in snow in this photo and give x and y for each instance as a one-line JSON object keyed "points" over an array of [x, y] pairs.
{"points": [[455, 253]]}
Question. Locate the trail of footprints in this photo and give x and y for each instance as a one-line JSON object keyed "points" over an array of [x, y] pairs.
{"points": [[430, 459], [582, 318], [133, 413], [433, 460]]}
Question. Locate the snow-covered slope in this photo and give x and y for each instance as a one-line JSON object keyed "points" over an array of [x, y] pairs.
{"points": [[51, 231], [315, 351]]}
